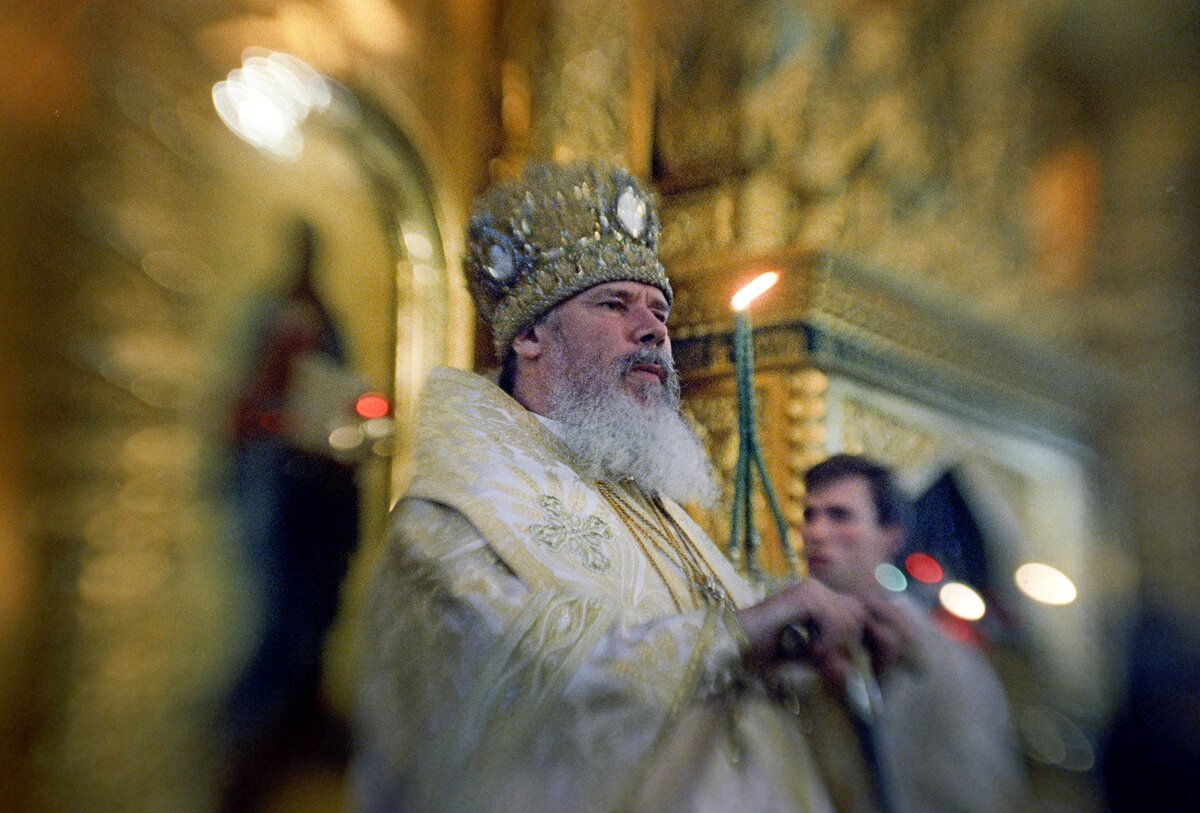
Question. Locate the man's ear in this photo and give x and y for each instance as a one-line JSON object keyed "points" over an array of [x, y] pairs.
{"points": [[528, 344]]}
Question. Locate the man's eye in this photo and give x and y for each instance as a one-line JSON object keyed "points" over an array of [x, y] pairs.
{"points": [[661, 316], [613, 304]]}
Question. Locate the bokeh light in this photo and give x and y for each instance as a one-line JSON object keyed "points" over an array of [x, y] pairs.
{"points": [[265, 101], [346, 438], [419, 246], [1052, 738], [923, 568], [890, 577], [1045, 583], [372, 405], [962, 601], [377, 428]]}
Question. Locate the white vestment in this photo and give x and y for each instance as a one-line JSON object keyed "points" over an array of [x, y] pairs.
{"points": [[524, 652]]}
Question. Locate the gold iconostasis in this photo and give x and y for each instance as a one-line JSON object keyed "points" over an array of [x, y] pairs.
{"points": [[228, 213]]}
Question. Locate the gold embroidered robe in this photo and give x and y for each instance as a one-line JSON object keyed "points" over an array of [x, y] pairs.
{"points": [[524, 655]]}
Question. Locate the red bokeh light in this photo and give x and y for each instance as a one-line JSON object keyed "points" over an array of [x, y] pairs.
{"points": [[372, 405], [923, 568], [956, 629], [272, 421]]}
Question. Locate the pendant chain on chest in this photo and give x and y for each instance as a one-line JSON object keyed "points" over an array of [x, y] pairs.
{"points": [[655, 530]]}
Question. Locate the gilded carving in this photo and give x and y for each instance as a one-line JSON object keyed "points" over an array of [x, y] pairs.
{"points": [[698, 223], [966, 361], [900, 444], [792, 405], [768, 216], [567, 81], [696, 132], [807, 407], [865, 130]]}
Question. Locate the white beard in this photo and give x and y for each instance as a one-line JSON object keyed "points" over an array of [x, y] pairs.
{"points": [[615, 437]]}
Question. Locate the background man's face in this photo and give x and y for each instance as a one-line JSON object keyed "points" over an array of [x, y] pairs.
{"points": [[607, 322], [843, 540]]}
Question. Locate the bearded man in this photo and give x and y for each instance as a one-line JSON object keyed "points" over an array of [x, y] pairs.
{"points": [[549, 629]]}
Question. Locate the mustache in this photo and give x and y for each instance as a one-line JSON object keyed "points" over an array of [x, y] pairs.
{"points": [[658, 357], [648, 355]]}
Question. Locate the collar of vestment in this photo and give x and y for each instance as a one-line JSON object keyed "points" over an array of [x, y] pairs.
{"points": [[554, 426], [481, 453]]}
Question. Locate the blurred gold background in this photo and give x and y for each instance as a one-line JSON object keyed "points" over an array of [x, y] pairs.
{"points": [[986, 212]]}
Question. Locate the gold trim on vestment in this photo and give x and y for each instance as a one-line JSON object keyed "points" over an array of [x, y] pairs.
{"points": [[656, 532]]}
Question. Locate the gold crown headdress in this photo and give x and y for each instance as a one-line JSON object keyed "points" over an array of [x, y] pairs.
{"points": [[556, 231]]}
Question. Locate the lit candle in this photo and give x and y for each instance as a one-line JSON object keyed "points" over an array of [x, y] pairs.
{"points": [[743, 539]]}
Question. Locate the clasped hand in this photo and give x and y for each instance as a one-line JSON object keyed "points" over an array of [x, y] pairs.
{"points": [[838, 622]]}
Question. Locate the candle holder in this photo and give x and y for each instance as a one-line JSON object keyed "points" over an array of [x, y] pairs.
{"points": [[743, 537], [861, 691]]}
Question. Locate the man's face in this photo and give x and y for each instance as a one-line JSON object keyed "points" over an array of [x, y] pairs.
{"points": [[610, 322], [600, 365], [843, 540]]}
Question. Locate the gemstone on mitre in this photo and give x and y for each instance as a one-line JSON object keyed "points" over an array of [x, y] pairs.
{"points": [[631, 212], [500, 263]]}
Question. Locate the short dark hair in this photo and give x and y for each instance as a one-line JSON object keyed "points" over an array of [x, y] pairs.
{"points": [[891, 505], [508, 372]]}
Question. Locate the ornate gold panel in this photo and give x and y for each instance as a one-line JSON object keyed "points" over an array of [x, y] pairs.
{"points": [[699, 223], [860, 130], [841, 316], [576, 82], [884, 436], [696, 126], [714, 405]]}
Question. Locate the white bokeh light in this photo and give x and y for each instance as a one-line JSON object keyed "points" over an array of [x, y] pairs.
{"points": [[1045, 583], [346, 438], [962, 601], [265, 101]]}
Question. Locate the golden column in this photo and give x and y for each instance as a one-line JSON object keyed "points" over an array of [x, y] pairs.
{"points": [[576, 82]]}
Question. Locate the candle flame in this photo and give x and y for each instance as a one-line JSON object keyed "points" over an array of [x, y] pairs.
{"points": [[750, 291]]}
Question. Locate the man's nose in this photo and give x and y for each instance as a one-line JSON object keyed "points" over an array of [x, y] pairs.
{"points": [[648, 329], [812, 531]]}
